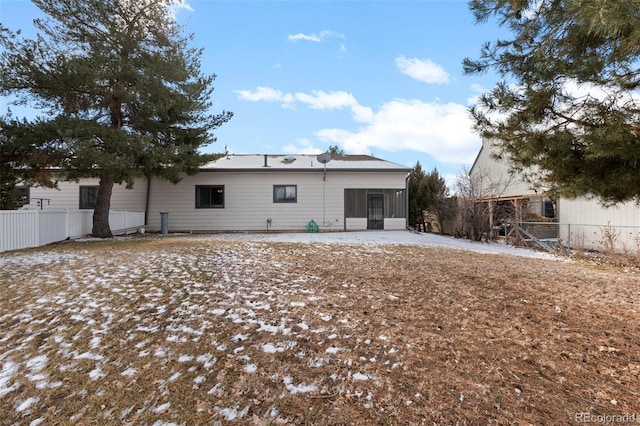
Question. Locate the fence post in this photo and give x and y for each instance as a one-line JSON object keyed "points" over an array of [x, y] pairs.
{"points": [[569, 236]]}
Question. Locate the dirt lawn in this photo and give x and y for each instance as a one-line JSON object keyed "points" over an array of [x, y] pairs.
{"points": [[206, 330]]}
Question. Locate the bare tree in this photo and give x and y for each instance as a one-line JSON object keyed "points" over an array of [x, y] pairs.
{"points": [[476, 194]]}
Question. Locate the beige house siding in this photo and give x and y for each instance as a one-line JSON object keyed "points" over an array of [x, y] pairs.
{"points": [[591, 212], [67, 196], [249, 202], [500, 181], [582, 221], [249, 205]]}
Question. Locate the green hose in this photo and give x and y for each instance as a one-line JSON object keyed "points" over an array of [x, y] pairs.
{"points": [[312, 226]]}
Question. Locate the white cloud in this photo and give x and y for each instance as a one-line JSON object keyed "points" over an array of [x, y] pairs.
{"points": [[175, 6], [307, 37], [442, 131], [422, 70], [317, 38], [264, 94], [319, 99]]}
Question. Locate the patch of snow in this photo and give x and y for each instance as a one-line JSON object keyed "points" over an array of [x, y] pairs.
{"points": [[232, 413], [146, 329], [39, 377], [129, 372], [301, 388], [24, 405], [239, 338], [95, 342], [37, 363], [318, 362], [216, 390], [361, 377], [273, 329], [162, 408], [89, 355], [96, 373], [280, 347], [404, 238], [333, 350], [206, 360]]}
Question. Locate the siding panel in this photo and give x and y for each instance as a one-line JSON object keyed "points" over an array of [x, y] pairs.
{"points": [[67, 196], [249, 200]]}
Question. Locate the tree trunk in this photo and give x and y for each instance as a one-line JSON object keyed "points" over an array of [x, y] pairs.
{"points": [[101, 227]]}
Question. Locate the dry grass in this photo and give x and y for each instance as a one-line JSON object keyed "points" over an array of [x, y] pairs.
{"points": [[198, 330]]}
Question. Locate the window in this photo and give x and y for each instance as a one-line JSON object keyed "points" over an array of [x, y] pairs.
{"points": [[209, 196], [285, 193], [88, 196], [394, 203], [548, 208], [22, 196], [355, 202]]}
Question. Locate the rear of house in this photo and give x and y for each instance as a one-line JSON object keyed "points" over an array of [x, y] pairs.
{"points": [[259, 193]]}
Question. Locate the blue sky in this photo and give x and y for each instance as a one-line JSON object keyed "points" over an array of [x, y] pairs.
{"points": [[373, 77]]}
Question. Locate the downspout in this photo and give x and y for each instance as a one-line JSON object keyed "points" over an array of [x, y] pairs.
{"points": [[146, 204], [406, 201]]}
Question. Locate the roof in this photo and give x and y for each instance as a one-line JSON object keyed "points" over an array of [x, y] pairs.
{"points": [[304, 162]]}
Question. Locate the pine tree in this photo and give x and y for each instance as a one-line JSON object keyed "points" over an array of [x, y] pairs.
{"points": [[335, 150], [437, 199], [123, 91], [417, 194], [25, 157], [428, 192], [567, 113]]}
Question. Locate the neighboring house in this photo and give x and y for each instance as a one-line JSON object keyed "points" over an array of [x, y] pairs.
{"points": [[259, 193], [581, 221]]}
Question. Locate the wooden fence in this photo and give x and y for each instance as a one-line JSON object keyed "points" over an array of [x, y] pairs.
{"points": [[33, 228]]}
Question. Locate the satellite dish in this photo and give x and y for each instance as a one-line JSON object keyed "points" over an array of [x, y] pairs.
{"points": [[324, 158]]}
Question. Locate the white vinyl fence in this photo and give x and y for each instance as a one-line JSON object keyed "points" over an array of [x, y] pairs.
{"points": [[33, 228]]}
